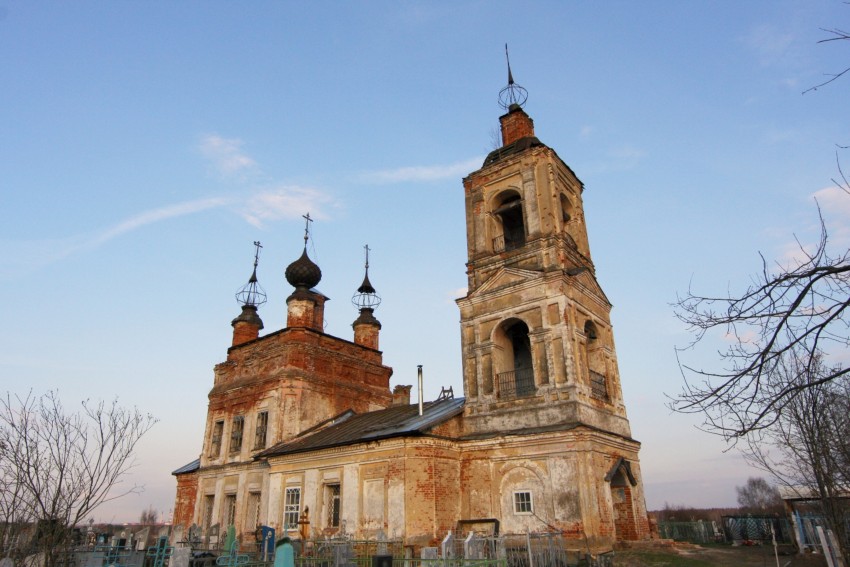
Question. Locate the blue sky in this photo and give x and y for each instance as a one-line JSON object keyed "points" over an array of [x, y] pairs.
{"points": [[144, 146]]}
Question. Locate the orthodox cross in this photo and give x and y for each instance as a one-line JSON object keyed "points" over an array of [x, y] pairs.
{"points": [[366, 248], [160, 552], [307, 221], [233, 557], [113, 554], [257, 245]]}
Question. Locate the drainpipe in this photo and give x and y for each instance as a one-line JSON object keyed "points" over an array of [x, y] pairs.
{"points": [[419, 375]]}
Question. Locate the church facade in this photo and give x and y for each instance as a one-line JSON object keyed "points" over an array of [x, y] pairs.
{"points": [[304, 434]]}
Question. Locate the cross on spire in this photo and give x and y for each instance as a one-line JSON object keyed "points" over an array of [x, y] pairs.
{"points": [[307, 221], [257, 245], [366, 248]]}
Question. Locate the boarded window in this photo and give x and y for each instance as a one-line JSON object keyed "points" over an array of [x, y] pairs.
{"points": [[332, 505], [291, 507], [262, 428], [215, 440], [522, 502], [229, 517], [373, 504], [236, 434], [598, 388], [252, 511]]}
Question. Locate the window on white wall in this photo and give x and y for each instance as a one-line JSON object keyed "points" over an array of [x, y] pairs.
{"points": [[291, 507], [229, 517], [252, 511], [332, 505], [207, 520], [522, 502]]}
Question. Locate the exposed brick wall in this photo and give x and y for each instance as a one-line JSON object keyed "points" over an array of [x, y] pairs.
{"points": [[516, 124], [184, 503]]}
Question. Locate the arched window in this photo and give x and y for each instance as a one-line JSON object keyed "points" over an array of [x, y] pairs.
{"points": [[516, 376], [509, 214]]}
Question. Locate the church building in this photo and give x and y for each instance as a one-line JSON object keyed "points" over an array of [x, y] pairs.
{"points": [[304, 434]]}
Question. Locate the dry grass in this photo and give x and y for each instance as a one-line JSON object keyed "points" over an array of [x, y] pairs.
{"points": [[713, 556]]}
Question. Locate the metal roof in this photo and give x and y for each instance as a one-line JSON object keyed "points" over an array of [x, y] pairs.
{"points": [[397, 421], [187, 468]]}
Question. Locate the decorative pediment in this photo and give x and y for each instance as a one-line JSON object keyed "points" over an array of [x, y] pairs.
{"points": [[585, 278], [624, 466], [504, 277]]}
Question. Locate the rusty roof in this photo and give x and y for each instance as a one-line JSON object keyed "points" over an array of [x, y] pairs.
{"points": [[396, 421]]}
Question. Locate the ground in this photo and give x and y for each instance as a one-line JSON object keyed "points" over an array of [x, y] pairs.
{"points": [[713, 556]]}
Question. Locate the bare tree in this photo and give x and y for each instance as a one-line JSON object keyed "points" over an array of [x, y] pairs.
{"points": [[833, 34], [808, 446], [148, 516], [57, 467], [800, 311], [759, 496]]}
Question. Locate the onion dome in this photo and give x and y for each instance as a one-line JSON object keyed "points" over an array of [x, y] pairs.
{"points": [[303, 273]]}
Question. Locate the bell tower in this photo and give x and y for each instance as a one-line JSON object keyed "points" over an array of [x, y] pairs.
{"points": [[537, 343]]}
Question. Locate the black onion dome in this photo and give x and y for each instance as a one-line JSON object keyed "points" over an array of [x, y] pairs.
{"points": [[303, 272]]}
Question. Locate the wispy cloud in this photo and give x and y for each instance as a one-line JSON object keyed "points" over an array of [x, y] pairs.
{"points": [[156, 215], [626, 157], [834, 205], [769, 43], [226, 155], [258, 206], [283, 203], [420, 173]]}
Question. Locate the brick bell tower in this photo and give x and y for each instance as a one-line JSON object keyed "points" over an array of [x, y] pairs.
{"points": [[538, 347]]}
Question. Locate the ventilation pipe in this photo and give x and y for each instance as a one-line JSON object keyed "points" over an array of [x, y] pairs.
{"points": [[419, 377]]}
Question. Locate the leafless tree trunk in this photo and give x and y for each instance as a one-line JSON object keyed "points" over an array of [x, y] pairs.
{"points": [[56, 467]]}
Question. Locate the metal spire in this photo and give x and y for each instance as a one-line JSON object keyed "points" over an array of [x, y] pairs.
{"points": [[252, 293], [512, 94], [366, 296]]}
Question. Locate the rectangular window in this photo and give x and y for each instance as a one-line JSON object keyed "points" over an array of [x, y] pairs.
{"points": [[292, 508], [522, 502], [215, 441], [236, 433], [332, 505], [229, 517], [598, 388], [252, 512], [208, 511], [262, 427]]}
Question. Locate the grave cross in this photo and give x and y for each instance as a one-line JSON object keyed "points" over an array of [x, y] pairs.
{"points": [[160, 552], [112, 554], [233, 557]]}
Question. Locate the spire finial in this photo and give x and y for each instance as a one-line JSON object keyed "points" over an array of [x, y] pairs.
{"points": [[307, 221], [366, 296], [513, 94], [508, 58], [252, 293]]}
